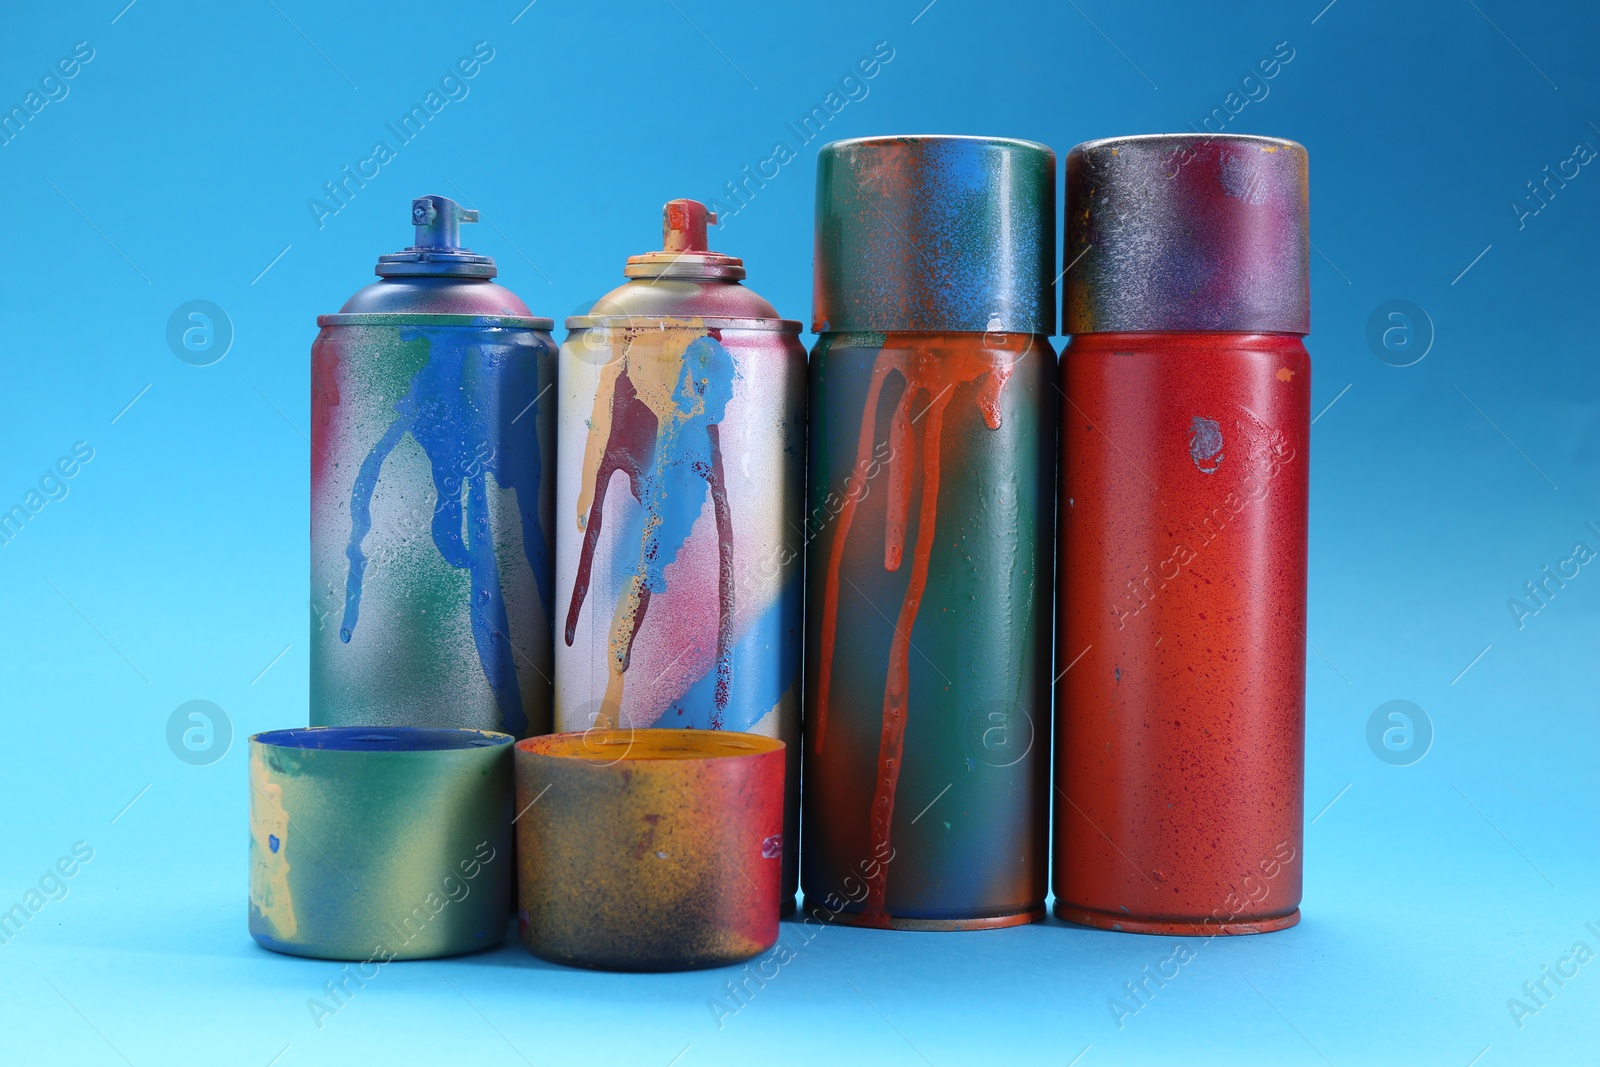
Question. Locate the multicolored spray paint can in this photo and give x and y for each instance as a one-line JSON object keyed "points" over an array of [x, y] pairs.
{"points": [[1180, 739], [679, 497], [433, 419], [931, 533]]}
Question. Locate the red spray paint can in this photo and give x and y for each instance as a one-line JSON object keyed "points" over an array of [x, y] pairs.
{"points": [[1182, 575]]}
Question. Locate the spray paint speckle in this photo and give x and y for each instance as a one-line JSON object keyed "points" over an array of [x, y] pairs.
{"points": [[466, 394]]}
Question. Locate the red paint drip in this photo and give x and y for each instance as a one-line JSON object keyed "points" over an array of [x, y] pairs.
{"points": [[719, 501], [631, 448], [933, 366]]}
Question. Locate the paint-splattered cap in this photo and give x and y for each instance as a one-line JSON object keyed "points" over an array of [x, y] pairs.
{"points": [[935, 233], [1186, 232]]}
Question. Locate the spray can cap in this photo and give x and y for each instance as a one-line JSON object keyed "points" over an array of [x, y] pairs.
{"points": [[438, 252], [932, 233], [1187, 232]]}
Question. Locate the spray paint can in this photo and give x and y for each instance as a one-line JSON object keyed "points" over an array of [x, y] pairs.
{"points": [[1182, 600], [679, 497], [931, 533], [433, 418]]}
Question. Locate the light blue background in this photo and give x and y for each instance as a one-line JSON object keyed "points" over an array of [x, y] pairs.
{"points": [[178, 167]]}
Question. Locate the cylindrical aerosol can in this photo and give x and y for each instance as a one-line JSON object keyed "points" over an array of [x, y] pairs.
{"points": [[433, 418], [1182, 608], [931, 533], [679, 497]]}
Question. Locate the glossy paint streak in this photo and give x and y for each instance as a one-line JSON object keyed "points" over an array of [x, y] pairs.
{"points": [[1182, 607], [927, 459], [630, 449]]}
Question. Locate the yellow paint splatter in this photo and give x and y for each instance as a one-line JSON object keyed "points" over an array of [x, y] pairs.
{"points": [[269, 868], [653, 360]]}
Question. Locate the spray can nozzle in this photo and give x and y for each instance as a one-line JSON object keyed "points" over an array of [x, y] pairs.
{"points": [[684, 250], [438, 251], [683, 226], [438, 221]]}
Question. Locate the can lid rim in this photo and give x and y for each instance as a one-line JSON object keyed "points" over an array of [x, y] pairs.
{"points": [[393, 318], [955, 138], [688, 322], [1135, 140]]}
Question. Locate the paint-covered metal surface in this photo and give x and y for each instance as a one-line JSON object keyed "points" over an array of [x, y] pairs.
{"points": [[1183, 523], [1181, 715], [679, 499], [378, 844], [935, 233], [1187, 232], [432, 479], [649, 850], [928, 628], [930, 531]]}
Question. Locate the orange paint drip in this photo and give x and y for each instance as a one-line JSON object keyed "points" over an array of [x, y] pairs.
{"points": [[900, 445], [934, 366], [830, 592]]}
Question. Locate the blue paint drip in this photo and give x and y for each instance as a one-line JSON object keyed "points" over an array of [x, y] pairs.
{"points": [[471, 393], [272, 842], [675, 490]]}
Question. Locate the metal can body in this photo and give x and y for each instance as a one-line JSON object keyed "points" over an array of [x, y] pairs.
{"points": [[1182, 605], [432, 467], [930, 534], [649, 850], [678, 547], [380, 844]]}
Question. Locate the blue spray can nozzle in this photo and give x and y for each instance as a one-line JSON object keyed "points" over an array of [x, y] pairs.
{"points": [[438, 221], [438, 251]]}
